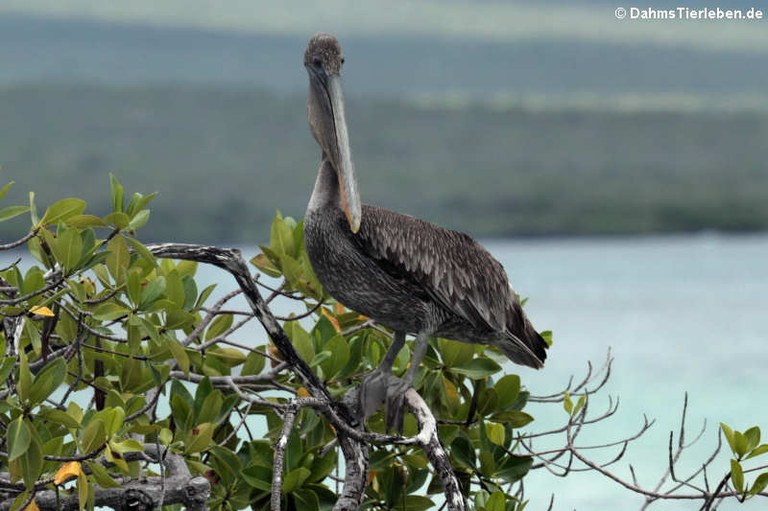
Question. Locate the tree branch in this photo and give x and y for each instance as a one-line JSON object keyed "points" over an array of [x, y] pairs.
{"points": [[179, 487]]}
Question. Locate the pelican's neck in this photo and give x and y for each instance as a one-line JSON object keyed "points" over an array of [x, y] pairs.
{"points": [[326, 192]]}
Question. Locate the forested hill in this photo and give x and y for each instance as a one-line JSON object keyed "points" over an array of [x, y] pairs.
{"points": [[39, 49], [224, 158]]}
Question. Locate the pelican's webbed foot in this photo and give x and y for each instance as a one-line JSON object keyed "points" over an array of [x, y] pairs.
{"points": [[383, 388], [373, 392], [395, 410]]}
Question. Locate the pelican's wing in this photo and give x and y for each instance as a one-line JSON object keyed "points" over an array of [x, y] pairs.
{"points": [[449, 266]]}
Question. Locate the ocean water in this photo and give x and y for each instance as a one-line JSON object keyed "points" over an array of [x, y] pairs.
{"points": [[678, 313]]}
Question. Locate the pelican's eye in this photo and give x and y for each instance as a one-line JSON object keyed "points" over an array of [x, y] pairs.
{"points": [[317, 61]]}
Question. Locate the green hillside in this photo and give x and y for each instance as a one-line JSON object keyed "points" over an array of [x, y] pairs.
{"points": [[241, 154]]}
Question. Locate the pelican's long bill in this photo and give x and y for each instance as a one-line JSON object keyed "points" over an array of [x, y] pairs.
{"points": [[335, 142], [350, 197]]}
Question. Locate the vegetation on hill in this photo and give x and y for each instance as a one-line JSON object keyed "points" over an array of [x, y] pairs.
{"points": [[223, 160]]}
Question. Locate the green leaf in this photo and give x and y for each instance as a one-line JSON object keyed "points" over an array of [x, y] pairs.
{"points": [[507, 390], [33, 209], [84, 221], [760, 484], [139, 220], [127, 445], [139, 202], [740, 444], [68, 249], [495, 433], [417, 503], [230, 357], [199, 438], [728, 432], [143, 251], [339, 349], [263, 263], [174, 288], [62, 210], [258, 477], [24, 385], [462, 450], [514, 468], [300, 340], [218, 326], [320, 358], [28, 466], [179, 354], [117, 193], [496, 502], [737, 476], [226, 463], [18, 438], [757, 451], [5, 189], [82, 490], [152, 292], [12, 211], [47, 381], [61, 417], [187, 268], [113, 418], [133, 285], [455, 353], [580, 404], [93, 436], [109, 311], [165, 436], [210, 408], [7, 365], [131, 375], [281, 237], [487, 461], [118, 259], [567, 404], [306, 500], [33, 333], [752, 438], [514, 418], [101, 475], [254, 364], [178, 319], [294, 479], [477, 368], [118, 219]]}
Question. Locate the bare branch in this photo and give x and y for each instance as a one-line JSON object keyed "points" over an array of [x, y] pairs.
{"points": [[279, 457]]}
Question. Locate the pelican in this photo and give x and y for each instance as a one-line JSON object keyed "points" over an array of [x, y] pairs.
{"points": [[407, 274]]}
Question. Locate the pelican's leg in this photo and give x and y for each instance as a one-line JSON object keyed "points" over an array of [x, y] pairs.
{"points": [[399, 386], [373, 390]]}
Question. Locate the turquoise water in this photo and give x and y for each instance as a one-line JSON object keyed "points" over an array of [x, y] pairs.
{"points": [[679, 314]]}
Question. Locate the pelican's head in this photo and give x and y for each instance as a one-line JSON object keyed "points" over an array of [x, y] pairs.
{"points": [[323, 60]]}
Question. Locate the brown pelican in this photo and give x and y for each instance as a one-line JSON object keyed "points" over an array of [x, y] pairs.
{"points": [[407, 274]]}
